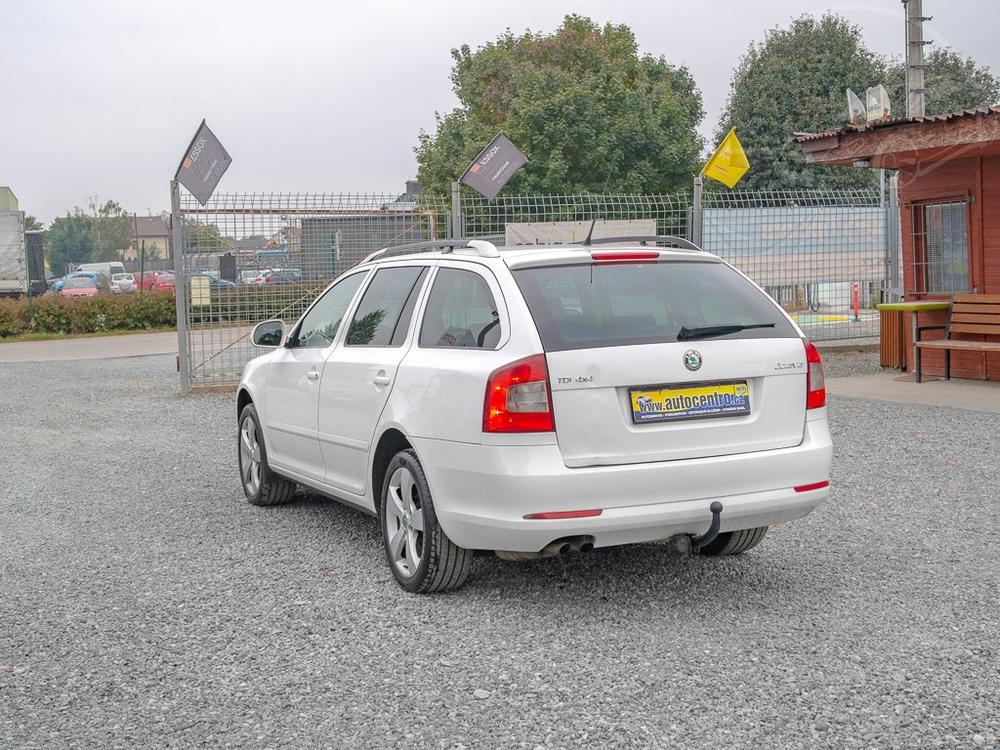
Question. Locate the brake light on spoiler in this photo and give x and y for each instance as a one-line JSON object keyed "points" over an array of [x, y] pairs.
{"points": [[631, 256]]}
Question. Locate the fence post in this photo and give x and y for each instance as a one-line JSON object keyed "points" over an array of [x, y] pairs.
{"points": [[892, 256], [697, 215], [180, 286], [457, 228]]}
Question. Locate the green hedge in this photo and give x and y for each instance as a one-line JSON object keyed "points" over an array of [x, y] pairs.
{"points": [[238, 306], [54, 314]]}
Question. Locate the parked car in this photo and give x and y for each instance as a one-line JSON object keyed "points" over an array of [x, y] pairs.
{"points": [[122, 282], [278, 276], [99, 281], [248, 276], [164, 282], [145, 280], [215, 282], [537, 400], [79, 286], [107, 269]]}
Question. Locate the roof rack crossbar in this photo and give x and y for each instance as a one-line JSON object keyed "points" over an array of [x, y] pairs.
{"points": [[448, 244], [643, 239]]}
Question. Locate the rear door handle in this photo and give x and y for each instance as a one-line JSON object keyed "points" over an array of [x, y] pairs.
{"points": [[313, 374]]}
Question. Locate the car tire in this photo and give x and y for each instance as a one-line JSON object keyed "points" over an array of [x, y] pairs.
{"points": [[422, 558], [261, 485], [734, 542]]}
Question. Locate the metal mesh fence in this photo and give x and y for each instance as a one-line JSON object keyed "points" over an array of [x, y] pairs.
{"points": [[820, 254], [249, 257], [495, 219]]}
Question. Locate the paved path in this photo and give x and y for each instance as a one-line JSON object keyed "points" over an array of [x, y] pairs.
{"points": [[974, 395], [96, 347]]}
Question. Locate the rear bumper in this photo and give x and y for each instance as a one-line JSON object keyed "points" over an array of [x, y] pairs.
{"points": [[482, 492]]}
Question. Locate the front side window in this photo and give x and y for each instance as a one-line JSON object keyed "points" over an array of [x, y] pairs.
{"points": [[461, 312], [384, 313], [941, 247], [320, 325]]}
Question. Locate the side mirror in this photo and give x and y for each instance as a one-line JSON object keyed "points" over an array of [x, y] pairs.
{"points": [[270, 333]]}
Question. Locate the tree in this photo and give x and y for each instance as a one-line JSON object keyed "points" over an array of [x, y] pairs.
{"points": [[590, 113], [952, 82], [795, 81], [32, 224], [202, 237], [69, 240], [111, 228]]}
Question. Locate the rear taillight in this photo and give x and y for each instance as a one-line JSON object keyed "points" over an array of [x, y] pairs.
{"points": [[518, 398], [815, 383]]}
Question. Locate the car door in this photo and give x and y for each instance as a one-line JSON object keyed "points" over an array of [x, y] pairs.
{"points": [[293, 379], [359, 372]]}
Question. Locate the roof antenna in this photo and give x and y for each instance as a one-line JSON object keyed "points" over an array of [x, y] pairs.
{"points": [[590, 234]]}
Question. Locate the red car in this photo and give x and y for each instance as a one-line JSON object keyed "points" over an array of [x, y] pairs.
{"points": [[164, 283], [147, 280], [79, 286]]}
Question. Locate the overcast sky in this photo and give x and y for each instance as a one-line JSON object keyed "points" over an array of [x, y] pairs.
{"points": [[102, 97]]}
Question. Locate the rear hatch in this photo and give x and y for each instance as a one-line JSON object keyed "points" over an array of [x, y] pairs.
{"points": [[677, 358]]}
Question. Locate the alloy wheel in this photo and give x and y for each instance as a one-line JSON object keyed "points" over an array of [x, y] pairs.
{"points": [[250, 455], [404, 522]]}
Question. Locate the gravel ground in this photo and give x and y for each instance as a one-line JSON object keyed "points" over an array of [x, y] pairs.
{"points": [[143, 603], [850, 364]]}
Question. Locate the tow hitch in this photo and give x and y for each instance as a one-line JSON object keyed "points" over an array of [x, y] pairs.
{"points": [[683, 545]]}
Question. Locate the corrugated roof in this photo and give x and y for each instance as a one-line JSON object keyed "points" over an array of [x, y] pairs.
{"points": [[980, 112]]}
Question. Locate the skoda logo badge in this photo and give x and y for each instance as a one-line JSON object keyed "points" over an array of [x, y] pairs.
{"points": [[692, 359]]}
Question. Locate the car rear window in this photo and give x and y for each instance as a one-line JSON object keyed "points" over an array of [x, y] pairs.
{"points": [[79, 282], [598, 305]]}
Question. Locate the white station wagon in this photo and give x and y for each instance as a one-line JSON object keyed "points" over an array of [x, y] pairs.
{"points": [[538, 400]]}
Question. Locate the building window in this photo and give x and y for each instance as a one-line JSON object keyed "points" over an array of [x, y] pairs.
{"points": [[940, 247]]}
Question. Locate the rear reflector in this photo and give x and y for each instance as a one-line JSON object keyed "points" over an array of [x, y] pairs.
{"points": [[563, 514], [636, 255], [811, 487]]}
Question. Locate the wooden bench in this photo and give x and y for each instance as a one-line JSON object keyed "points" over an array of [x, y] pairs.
{"points": [[976, 314]]}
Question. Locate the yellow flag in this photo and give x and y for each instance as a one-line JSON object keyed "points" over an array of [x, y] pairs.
{"points": [[729, 162]]}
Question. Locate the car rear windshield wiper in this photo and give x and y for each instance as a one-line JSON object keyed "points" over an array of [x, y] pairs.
{"points": [[686, 334]]}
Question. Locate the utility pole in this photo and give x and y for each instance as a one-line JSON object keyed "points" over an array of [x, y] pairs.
{"points": [[915, 44]]}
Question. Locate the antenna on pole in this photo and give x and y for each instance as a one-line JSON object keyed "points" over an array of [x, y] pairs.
{"points": [[915, 43]]}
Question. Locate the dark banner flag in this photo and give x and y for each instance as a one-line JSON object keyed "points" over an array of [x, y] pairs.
{"points": [[203, 165], [494, 166]]}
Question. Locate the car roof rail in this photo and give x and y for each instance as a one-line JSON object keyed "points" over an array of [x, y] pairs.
{"points": [[666, 239], [447, 245]]}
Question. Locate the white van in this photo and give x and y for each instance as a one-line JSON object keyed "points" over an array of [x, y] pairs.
{"points": [[108, 269]]}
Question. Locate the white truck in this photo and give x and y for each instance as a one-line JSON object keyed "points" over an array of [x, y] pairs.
{"points": [[22, 267]]}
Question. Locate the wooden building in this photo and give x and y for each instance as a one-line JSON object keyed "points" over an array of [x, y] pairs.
{"points": [[949, 194]]}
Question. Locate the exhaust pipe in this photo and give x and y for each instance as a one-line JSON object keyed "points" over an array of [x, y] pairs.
{"points": [[552, 549]]}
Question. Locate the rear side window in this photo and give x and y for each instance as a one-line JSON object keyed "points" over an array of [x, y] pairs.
{"points": [[384, 312], [595, 305], [461, 312]]}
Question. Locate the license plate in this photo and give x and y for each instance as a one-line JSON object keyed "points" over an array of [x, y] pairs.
{"points": [[670, 404]]}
